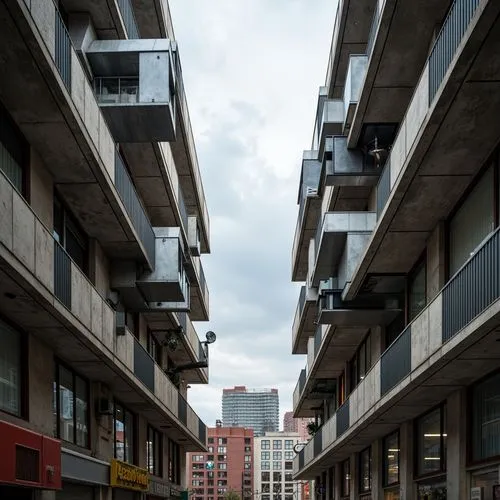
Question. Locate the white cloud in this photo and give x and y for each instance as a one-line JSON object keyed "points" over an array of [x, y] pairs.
{"points": [[252, 72]]}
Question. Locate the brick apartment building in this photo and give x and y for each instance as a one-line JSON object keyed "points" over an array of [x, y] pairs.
{"points": [[298, 425], [228, 465]]}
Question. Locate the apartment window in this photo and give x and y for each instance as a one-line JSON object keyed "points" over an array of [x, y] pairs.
{"points": [[288, 465], [210, 440], [210, 473], [361, 362], [288, 444], [198, 458], [265, 476], [210, 449], [431, 442], [154, 347], [417, 290], [222, 466], [124, 427], [365, 471], [11, 370], [222, 441], [265, 444], [265, 455], [277, 443], [289, 455], [248, 441], [248, 465], [197, 482], [174, 462], [277, 477], [221, 449], [198, 475], [71, 406], [14, 152], [248, 458], [345, 487], [154, 452], [248, 449], [289, 476], [70, 235], [222, 474], [221, 458], [277, 455], [485, 419], [391, 459], [211, 482], [276, 465], [265, 466], [473, 221]]}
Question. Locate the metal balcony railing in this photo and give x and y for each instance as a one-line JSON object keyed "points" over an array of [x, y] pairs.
{"points": [[62, 50], [384, 188], [62, 275], [144, 366], [128, 17], [395, 363], [448, 40], [134, 208], [343, 416], [473, 288]]}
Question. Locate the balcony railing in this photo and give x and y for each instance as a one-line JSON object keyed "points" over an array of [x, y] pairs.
{"points": [[473, 288], [144, 366], [395, 363], [116, 89], [343, 417], [182, 408], [128, 17], [63, 51], [448, 40], [318, 337], [62, 275], [134, 208], [384, 188]]}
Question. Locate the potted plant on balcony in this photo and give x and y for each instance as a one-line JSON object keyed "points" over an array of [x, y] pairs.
{"points": [[312, 428]]}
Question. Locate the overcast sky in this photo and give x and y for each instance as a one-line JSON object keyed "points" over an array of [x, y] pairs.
{"points": [[252, 70]]}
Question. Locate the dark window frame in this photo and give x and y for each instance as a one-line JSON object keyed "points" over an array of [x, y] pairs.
{"points": [[385, 474], [355, 368], [174, 462], [442, 453], [153, 346], [133, 442], [362, 453], [155, 437], [58, 363], [345, 492]]}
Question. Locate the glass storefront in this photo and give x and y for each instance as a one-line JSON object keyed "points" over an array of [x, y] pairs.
{"points": [[432, 490]]}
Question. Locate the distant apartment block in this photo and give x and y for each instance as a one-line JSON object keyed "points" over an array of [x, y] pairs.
{"points": [[227, 466], [273, 467], [298, 425], [257, 409]]}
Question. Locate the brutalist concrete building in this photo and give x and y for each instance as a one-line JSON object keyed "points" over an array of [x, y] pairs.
{"points": [[398, 246], [103, 221]]}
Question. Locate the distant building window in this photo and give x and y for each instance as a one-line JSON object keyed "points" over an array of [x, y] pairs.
{"points": [[221, 449], [288, 465], [277, 477], [265, 455], [210, 440], [265, 476], [277, 443], [277, 455], [288, 444], [222, 466], [198, 458], [248, 441], [248, 449], [248, 458], [265, 444], [276, 465], [289, 455], [265, 466], [248, 465], [222, 441]]}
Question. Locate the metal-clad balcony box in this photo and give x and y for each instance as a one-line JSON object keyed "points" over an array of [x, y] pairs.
{"points": [[330, 240], [353, 83], [165, 288], [194, 236], [309, 201], [332, 121], [334, 311], [134, 81], [348, 167], [305, 316]]}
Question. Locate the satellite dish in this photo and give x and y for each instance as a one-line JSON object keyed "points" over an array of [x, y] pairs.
{"points": [[211, 337]]}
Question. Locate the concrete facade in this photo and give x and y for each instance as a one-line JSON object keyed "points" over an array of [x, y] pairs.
{"points": [[402, 366], [96, 303]]}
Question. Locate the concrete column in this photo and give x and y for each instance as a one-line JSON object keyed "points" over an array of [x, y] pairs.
{"points": [[406, 462], [329, 484], [183, 467], [436, 259], [377, 343], [456, 477], [377, 462], [338, 480]]}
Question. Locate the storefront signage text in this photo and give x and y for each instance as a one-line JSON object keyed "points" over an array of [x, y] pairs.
{"points": [[128, 476]]}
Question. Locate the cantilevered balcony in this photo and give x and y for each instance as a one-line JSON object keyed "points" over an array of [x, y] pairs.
{"points": [[134, 81], [309, 202], [348, 167], [305, 318], [339, 234], [166, 288], [329, 120], [355, 78]]}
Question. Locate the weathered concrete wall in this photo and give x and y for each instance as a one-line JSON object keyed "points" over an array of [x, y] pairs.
{"points": [[41, 190]]}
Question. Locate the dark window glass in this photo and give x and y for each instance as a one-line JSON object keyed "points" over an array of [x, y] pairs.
{"points": [[360, 363], [486, 419], [431, 442], [10, 370], [394, 329], [154, 452], [365, 472], [123, 433], [71, 407], [174, 462], [391, 459], [417, 294], [346, 478], [154, 347]]}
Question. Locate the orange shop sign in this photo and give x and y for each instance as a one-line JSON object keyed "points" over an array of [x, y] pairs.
{"points": [[127, 476]]}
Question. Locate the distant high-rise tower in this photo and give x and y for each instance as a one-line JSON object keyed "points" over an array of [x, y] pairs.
{"points": [[257, 409]]}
